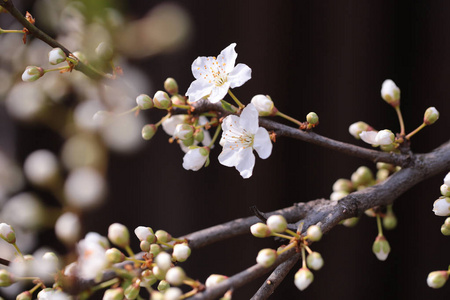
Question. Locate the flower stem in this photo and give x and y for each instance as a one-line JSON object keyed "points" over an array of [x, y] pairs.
{"points": [[17, 249], [128, 111], [308, 249], [189, 294], [135, 260], [32, 290], [236, 99], [165, 244], [129, 251], [162, 120], [415, 131], [10, 31], [288, 237], [216, 134], [400, 119], [380, 228], [303, 258], [290, 246], [292, 233], [105, 284], [57, 69], [280, 114]]}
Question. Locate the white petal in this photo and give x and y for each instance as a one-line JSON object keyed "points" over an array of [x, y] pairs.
{"points": [[194, 160], [218, 92], [199, 89], [240, 75], [447, 179], [230, 121], [368, 136], [171, 123], [384, 137], [246, 162], [262, 143], [229, 157], [228, 55], [249, 119], [207, 137], [200, 67]]}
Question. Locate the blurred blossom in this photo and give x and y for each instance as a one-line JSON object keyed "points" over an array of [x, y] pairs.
{"points": [[85, 188], [25, 101], [83, 150], [68, 228], [41, 167], [84, 112], [5, 82], [123, 134], [91, 257], [45, 265], [11, 178], [23, 210], [55, 86]]}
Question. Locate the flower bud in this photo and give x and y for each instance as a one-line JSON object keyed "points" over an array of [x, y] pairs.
{"points": [[441, 207], [260, 230], [148, 131], [431, 116], [163, 285], [155, 249], [159, 273], [390, 93], [437, 279], [356, 128], [144, 102], [264, 105], [104, 51], [382, 137], [389, 221], [343, 185], [314, 233], [445, 190], [132, 291], [181, 252], [7, 233], [145, 246], [312, 118], [156, 295], [145, 234], [184, 131], [148, 278], [447, 179], [276, 223], [381, 247], [314, 261], [56, 56], [172, 293], [350, 222], [175, 276], [266, 257], [199, 135], [178, 100], [445, 228], [303, 278], [171, 86], [162, 100], [214, 279], [114, 255], [362, 176], [335, 196], [32, 73], [6, 278], [118, 234], [164, 261], [382, 175], [113, 294], [188, 142], [24, 296], [163, 236], [81, 56]]}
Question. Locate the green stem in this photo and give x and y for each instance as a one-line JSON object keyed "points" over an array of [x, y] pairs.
{"points": [[290, 246], [128, 111], [292, 233], [280, 114], [288, 237], [165, 244], [235, 99], [303, 257], [10, 31], [308, 249], [105, 284], [380, 228], [400, 119], [135, 260], [57, 69], [17, 249], [129, 251], [216, 134], [415, 131], [31, 291], [162, 120]]}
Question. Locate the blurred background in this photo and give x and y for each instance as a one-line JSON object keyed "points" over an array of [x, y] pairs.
{"points": [[329, 57]]}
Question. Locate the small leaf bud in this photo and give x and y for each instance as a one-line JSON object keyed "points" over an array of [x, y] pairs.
{"points": [[437, 279], [113, 294], [56, 56], [164, 261], [181, 252], [314, 261], [362, 176], [260, 230], [356, 128], [104, 51], [314, 233], [303, 278], [24, 296], [148, 131], [163, 236], [175, 276], [145, 234], [335, 196], [441, 207], [32, 73], [118, 234], [171, 86], [342, 185], [266, 257], [431, 115], [6, 278], [264, 105], [445, 190], [163, 285], [7, 233], [132, 291], [114, 255], [350, 222], [312, 118], [390, 93], [162, 100], [214, 279], [144, 102], [381, 247], [389, 221], [277, 223]]}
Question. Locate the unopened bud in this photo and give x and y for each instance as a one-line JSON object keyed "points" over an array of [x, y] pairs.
{"points": [[447, 179], [312, 118], [335, 196], [171, 86], [155, 249], [264, 105], [6, 278], [343, 185], [214, 279], [144, 102], [356, 128], [113, 294], [389, 221], [24, 296], [266, 257], [163, 261], [350, 222], [56, 56], [437, 279], [148, 278], [163, 285], [162, 100], [132, 291], [277, 223], [145, 246], [441, 207], [181, 252], [381, 247], [159, 273], [362, 176], [175, 276], [260, 230], [32, 73], [314, 233], [303, 278], [118, 234], [163, 236], [178, 100], [314, 261], [144, 233], [445, 228], [148, 131], [7, 233], [184, 131], [445, 190], [113, 255], [431, 116], [390, 93], [172, 293], [382, 175], [199, 135]]}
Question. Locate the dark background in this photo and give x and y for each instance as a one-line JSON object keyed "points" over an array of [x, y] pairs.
{"points": [[329, 57]]}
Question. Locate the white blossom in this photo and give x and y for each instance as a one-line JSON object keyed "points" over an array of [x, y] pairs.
{"points": [[68, 228], [441, 207], [92, 258], [383, 137], [85, 188], [181, 252], [195, 158], [264, 105]]}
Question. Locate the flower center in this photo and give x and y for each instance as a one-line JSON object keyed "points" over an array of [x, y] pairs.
{"points": [[216, 71], [238, 137]]}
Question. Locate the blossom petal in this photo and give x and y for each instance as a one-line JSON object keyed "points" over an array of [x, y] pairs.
{"points": [[218, 93], [262, 143], [228, 56], [199, 89], [240, 75], [249, 119], [246, 163], [194, 160], [207, 137], [368, 136], [229, 121], [200, 67], [229, 157], [171, 123]]}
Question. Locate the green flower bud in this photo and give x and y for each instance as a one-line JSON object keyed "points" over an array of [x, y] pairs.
{"points": [[159, 273], [343, 185], [389, 221], [437, 279], [7, 233], [445, 230], [118, 234], [266, 257], [148, 278], [144, 102], [362, 176], [312, 118], [113, 294], [148, 131], [277, 223], [314, 233], [431, 116], [350, 222], [184, 131], [114, 255], [32, 73], [199, 135], [171, 86], [6, 279], [390, 93], [56, 56], [445, 190], [162, 100], [314, 261], [175, 276], [163, 236], [24, 296], [163, 285], [260, 230], [145, 246], [132, 291], [303, 278], [178, 100], [155, 249], [188, 142], [388, 148], [381, 247]]}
